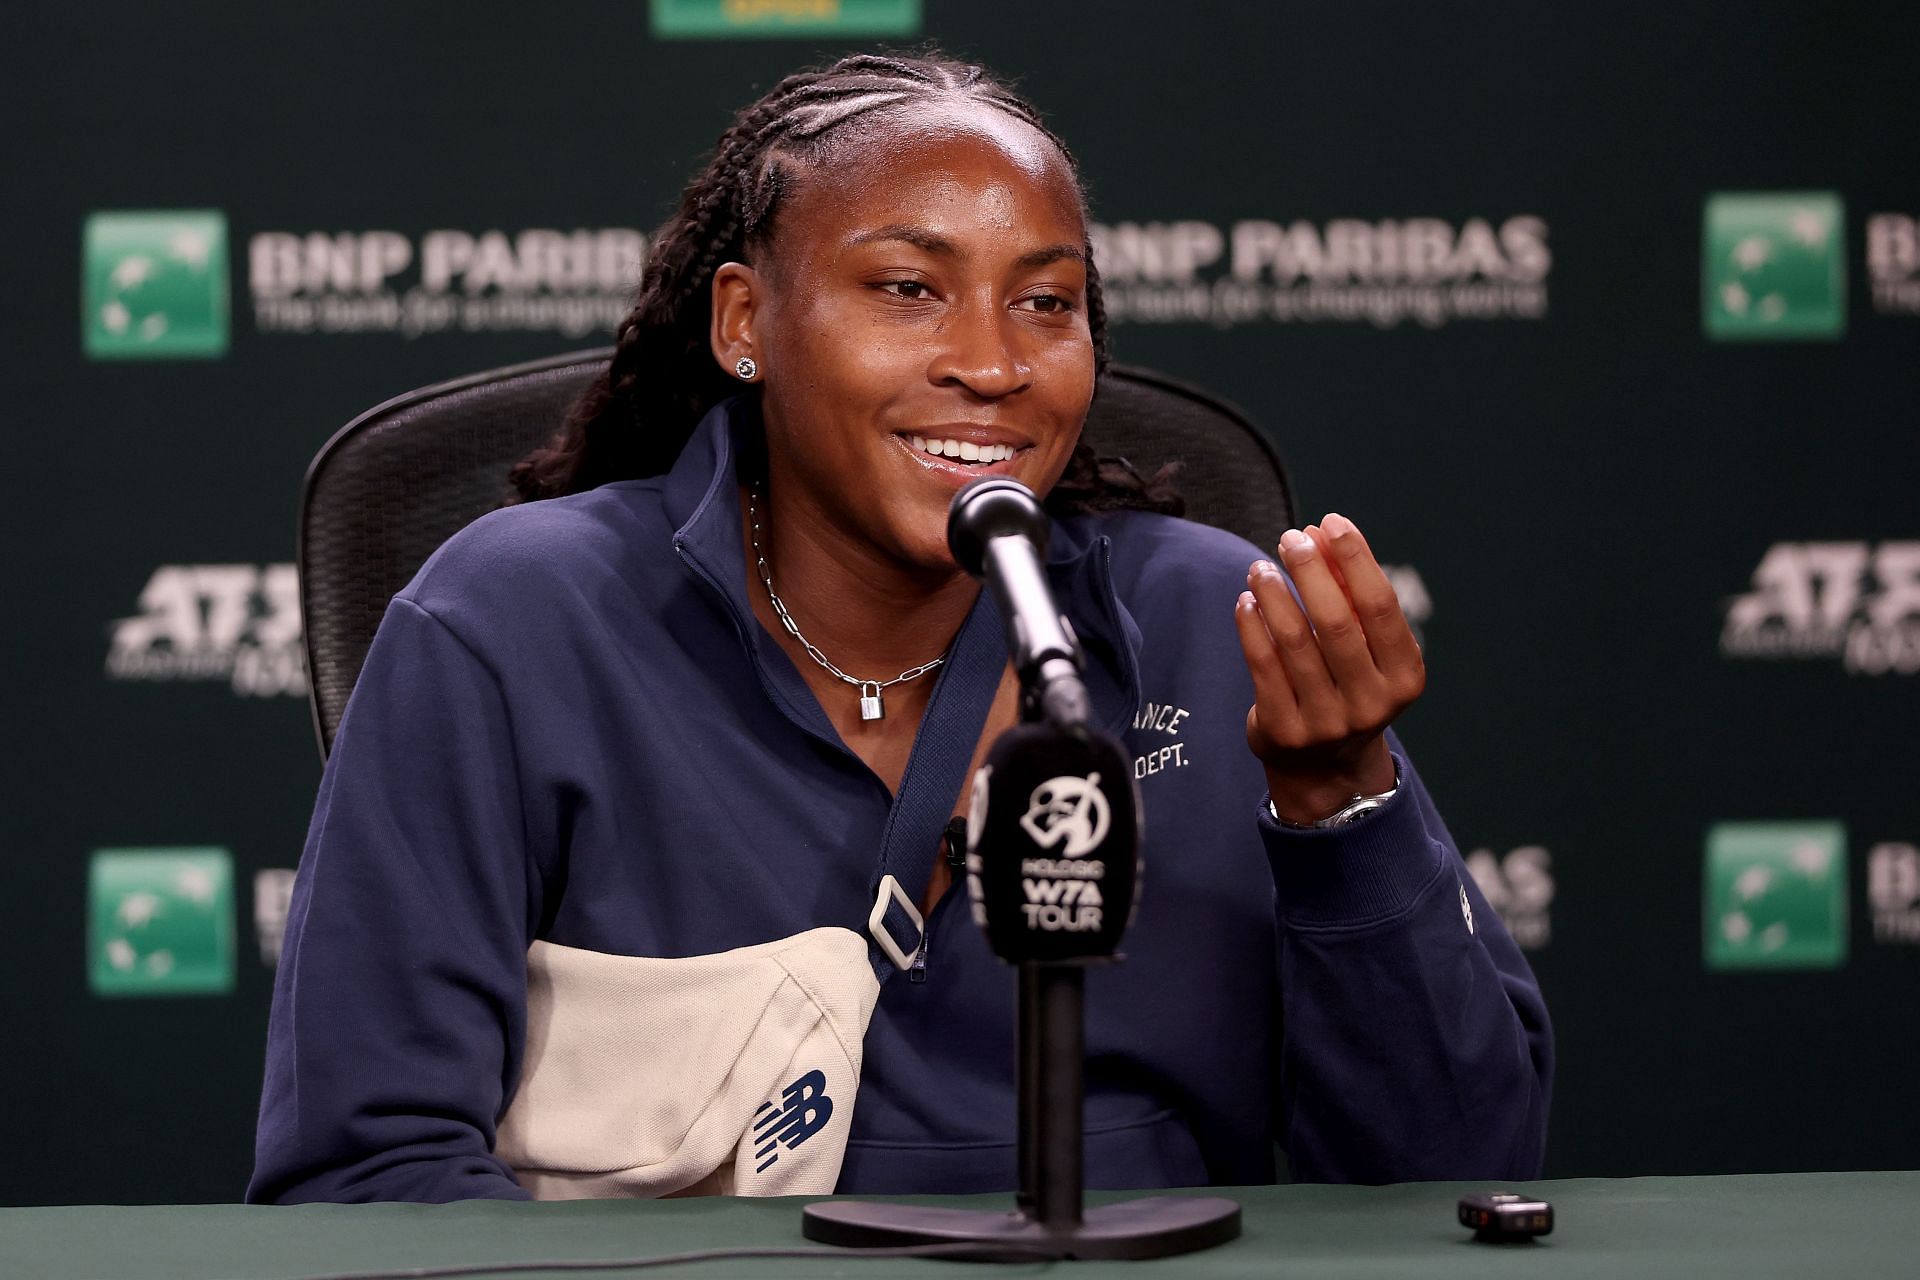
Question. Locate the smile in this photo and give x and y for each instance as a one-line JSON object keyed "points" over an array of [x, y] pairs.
{"points": [[964, 450]]}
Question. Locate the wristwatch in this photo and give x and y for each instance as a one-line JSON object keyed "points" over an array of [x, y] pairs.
{"points": [[1352, 811]]}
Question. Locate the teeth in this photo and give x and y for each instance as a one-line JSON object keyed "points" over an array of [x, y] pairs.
{"points": [[965, 450]]}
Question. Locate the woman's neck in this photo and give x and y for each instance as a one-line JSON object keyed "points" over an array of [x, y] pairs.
{"points": [[870, 614]]}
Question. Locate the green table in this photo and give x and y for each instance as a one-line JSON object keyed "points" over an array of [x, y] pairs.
{"points": [[1819, 1224]]}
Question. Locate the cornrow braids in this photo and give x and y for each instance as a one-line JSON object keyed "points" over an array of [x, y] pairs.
{"points": [[662, 377]]}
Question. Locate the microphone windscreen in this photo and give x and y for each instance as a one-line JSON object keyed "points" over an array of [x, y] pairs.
{"points": [[988, 508], [1053, 845]]}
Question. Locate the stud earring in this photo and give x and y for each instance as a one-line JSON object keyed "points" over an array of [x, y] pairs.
{"points": [[746, 369]]}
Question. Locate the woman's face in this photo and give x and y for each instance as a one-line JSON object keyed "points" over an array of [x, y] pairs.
{"points": [[925, 291]]}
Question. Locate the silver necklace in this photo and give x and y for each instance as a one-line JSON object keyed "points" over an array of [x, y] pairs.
{"points": [[871, 706]]}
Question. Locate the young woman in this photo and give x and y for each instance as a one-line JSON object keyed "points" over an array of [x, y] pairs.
{"points": [[584, 905]]}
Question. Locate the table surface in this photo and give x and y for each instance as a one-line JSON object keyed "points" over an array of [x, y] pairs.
{"points": [[1813, 1224]]}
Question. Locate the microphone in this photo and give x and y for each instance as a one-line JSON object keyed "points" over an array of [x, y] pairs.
{"points": [[1053, 845], [997, 531], [1053, 873]]}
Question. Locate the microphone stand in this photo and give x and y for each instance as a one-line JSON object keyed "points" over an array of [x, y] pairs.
{"points": [[1049, 1218]]}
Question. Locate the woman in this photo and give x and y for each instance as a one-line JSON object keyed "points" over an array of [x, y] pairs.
{"points": [[628, 735]]}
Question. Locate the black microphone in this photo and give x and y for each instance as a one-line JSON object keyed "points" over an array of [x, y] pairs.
{"points": [[997, 531], [1053, 873], [1053, 845]]}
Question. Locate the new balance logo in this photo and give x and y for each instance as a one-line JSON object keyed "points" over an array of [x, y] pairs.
{"points": [[803, 1110]]}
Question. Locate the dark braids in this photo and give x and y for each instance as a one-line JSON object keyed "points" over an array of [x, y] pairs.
{"points": [[662, 378]]}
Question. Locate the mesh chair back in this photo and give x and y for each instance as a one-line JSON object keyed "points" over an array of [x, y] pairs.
{"points": [[402, 478]]}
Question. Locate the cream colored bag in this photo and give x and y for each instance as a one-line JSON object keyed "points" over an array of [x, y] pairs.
{"points": [[730, 1074]]}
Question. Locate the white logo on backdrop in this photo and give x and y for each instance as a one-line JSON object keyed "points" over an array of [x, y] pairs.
{"points": [[1854, 601], [1411, 591], [574, 283], [235, 623], [1893, 892], [1388, 272], [1519, 887], [1893, 263], [272, 899]]}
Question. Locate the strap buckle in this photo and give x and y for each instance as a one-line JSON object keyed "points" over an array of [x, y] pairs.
{"points": [[891, 895]]}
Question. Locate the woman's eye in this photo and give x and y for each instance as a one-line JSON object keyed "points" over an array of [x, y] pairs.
{"points": [[1050, 304], [911, 289]]}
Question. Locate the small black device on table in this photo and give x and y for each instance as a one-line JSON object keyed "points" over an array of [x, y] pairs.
{"points": [[1503, 1217]]}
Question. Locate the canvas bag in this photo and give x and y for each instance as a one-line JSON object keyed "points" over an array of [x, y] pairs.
{"points": [[727, 1074]]}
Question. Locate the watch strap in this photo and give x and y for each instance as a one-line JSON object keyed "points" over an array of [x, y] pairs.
{"points": [[1356, 807]]}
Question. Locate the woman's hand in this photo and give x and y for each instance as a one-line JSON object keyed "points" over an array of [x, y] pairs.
{"points": [[1326, 682]]}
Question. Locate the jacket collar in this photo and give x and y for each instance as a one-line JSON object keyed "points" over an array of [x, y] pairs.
{"points": [[702, 498]]}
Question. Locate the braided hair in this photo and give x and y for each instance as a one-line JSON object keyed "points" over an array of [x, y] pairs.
{"points": [[662, 378]]}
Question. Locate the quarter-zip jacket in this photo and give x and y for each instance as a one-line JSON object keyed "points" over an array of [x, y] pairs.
{"points": [[571, 727]]}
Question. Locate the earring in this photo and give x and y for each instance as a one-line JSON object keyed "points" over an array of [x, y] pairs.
{"points": [[746, 369]]}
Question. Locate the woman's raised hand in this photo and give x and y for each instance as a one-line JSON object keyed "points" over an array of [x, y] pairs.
{"points": [[1327, 681]]}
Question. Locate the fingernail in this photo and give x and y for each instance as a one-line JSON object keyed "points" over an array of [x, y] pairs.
{"points": [[1260, 567], [1245, 601], [1337, 525], [1296, 543]]}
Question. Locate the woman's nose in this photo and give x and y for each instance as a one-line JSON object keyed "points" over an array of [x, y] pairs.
{"points": [[980, 351]]}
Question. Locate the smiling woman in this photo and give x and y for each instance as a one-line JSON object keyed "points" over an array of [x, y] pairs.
{"points": [[584, 908]]}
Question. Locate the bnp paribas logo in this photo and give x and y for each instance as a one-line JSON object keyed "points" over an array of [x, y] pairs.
{"points": [[1776, 895], [709, 19], [154, 285], [1774, 266], [160, 922]]}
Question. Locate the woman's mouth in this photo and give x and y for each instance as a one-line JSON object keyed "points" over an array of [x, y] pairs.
{"points": [[962, 450]]}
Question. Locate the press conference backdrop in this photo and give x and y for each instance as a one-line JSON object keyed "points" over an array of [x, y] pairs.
{"points": [[1601, 319]]}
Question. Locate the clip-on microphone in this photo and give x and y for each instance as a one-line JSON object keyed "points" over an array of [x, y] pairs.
{"points": [[1053, 861]]}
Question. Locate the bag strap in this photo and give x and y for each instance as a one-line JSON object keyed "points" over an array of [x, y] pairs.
{"points": [[936, 771]]}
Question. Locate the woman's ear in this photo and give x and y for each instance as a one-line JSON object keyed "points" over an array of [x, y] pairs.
{"points": [[736, 295]]}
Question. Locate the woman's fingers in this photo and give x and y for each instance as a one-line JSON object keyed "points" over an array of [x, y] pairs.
{"points": [[1388, 637], [1342, 642], [1301, 653], [1332, 657], [1275, 714], [1325, 542]]}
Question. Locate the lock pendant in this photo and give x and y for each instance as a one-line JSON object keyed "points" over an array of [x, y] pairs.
{"points": [[870, 705]]}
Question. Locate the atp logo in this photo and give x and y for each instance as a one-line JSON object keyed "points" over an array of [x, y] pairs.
{"points": [[238, 623], [803, 1110], [1855, 601], [1070, 810]]}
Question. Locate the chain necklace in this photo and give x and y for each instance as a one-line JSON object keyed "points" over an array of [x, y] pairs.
{"points": [[871, 706]]}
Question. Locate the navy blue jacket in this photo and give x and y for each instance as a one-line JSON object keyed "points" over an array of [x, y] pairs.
{"points": [[572, 727]]}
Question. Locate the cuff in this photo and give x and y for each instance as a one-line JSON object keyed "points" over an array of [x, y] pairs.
{"points": [[1356, 874]]}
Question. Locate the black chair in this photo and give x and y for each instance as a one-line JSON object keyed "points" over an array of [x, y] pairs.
{"points": [[402, 478]]}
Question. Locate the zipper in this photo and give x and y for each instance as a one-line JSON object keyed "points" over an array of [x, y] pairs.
{"points": [[919, 971], [953, 847]]}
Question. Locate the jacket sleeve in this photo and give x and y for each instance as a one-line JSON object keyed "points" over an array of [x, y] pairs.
{"points": [[1416, 1045], [399, 1007]]}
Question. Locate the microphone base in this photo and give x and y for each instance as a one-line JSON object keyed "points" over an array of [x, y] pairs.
{"points": [[1156, 1227]]}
